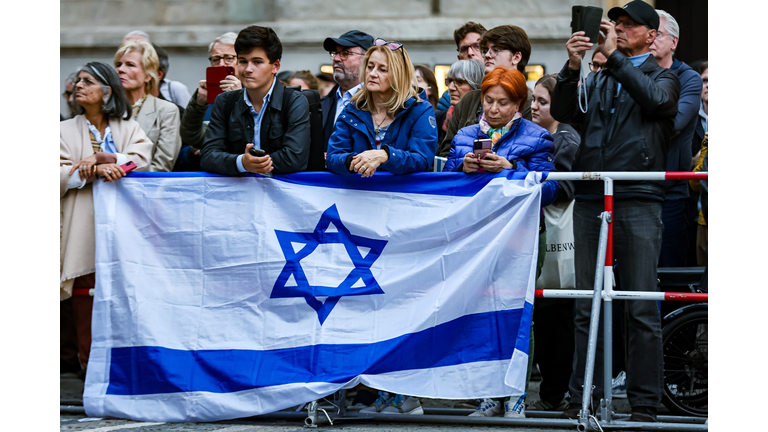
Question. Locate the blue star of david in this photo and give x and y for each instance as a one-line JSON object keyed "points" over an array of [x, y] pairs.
{"points": [[361, 272]]}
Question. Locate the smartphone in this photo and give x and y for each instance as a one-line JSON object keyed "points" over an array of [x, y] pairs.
{"points": [[587, 19], [481, 147], [213, 77], [257, 152], [128, 166]]}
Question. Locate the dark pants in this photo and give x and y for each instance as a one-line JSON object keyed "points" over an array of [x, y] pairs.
{"points": [[554, 328], [82, 306], [674, 241], [637, 231], [67, 338]]}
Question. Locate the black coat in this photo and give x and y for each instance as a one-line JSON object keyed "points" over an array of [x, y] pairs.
{"points": [[635, 137], [328, 104], [227, 136]]}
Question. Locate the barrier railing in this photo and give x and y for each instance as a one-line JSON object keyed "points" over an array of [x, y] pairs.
{"points": [[603, 290]]}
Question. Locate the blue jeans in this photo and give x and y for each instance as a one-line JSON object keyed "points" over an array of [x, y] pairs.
{"points": [[637, 231]]}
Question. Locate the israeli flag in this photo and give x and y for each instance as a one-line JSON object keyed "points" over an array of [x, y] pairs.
{"points": [[219, 297]]}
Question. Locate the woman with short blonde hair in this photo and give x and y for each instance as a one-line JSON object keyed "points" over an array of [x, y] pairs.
{"points": [[136, 64], [387, 125]]}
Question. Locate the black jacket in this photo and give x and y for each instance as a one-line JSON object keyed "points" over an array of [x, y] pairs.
{"points": [[328, 104], [226, 138], [566, 141], [635, 137]]}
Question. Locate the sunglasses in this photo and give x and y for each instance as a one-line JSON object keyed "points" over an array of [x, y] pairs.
{"points": [[393, 46]]}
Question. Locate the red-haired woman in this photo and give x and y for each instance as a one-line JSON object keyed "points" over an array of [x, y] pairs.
{"points": [[517, 143]]}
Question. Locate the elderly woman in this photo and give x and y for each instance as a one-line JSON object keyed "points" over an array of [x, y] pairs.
{"points": [[516, 144], [387, 125], [463, 76], [93, 145], [136, 63]]}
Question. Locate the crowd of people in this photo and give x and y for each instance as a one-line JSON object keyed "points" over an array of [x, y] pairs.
{"points": [[645, 111]]}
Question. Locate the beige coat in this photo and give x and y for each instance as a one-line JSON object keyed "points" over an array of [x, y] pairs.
{"points": [[160, 120], [78, 239]]}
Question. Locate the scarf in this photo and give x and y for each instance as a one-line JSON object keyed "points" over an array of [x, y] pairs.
{"points": [[448, 116], [137, 106], [495, 134], [107, 144]]}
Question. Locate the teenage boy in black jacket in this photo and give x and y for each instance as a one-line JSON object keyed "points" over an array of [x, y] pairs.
{"points": [[251, 117], [627, 126]]}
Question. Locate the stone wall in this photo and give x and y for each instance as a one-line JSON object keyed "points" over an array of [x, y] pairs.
{"points": [[92, 29]]}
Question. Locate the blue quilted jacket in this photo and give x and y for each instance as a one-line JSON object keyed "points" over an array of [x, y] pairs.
{"points": [[527, 143]]}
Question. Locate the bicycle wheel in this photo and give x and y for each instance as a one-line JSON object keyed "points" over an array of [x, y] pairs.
{"points": [[685, 342]]}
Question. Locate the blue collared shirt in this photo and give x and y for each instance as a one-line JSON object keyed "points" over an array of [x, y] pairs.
{"points": [[343, 100], [257, 118], [636, 62]]}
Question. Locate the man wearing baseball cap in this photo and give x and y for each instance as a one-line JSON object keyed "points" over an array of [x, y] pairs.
{"points": [[346, 53], [627, 126]]}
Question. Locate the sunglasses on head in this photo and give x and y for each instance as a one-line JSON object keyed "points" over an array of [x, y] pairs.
{"points": [[393, 46]]}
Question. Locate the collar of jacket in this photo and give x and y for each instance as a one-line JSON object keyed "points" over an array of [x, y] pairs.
{"points": [[275, 101], [365, 125], [506, 137]]}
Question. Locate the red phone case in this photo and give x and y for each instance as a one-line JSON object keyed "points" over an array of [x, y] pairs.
{"points": [[213, 77], [128, 166]]}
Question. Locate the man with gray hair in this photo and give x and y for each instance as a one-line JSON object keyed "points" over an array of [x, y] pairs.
{"points": [[194, 122], [172, 91], [135, 35], [674, 209]]}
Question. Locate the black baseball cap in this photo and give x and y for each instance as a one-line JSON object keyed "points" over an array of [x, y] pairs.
{"points": [[638, 10], [351, 38]]}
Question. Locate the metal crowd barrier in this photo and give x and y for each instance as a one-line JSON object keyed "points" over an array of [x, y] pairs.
{"points": [[603, 290]]}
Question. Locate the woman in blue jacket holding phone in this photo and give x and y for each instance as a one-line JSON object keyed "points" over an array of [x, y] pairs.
{"points": [[515, 143], [388, 125]]}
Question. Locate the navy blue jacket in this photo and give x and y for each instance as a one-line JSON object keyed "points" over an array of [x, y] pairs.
{"points": [[526, 142], [411, 142], [679, 154]]}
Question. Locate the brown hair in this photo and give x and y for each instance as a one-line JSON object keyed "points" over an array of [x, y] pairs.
{"points": [[511, 80], [470, 27], [512, 38], [703, 66], [548, 82], [306, 76], [429, 77]]}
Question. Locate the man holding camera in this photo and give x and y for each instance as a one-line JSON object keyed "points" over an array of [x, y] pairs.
{"points": [[628, 125]]}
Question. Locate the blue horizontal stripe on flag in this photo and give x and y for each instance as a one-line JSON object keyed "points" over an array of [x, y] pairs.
{"points": [[472, 338], [451, 184]]}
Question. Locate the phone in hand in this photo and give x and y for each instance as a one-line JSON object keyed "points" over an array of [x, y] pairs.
{"points": [[257, 152], [587, 19], [213, 77], [481, 147], [128, 166]]}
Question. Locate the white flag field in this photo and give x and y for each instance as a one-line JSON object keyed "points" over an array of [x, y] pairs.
{"points": [[221, 297]]}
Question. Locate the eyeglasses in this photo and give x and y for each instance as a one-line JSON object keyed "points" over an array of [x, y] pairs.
{"points": [[464, 48], [595, 67], [393, 46], [495, 51], [228, 59], [626, 23], [458, 81], [87, 82], [343, 55]]}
